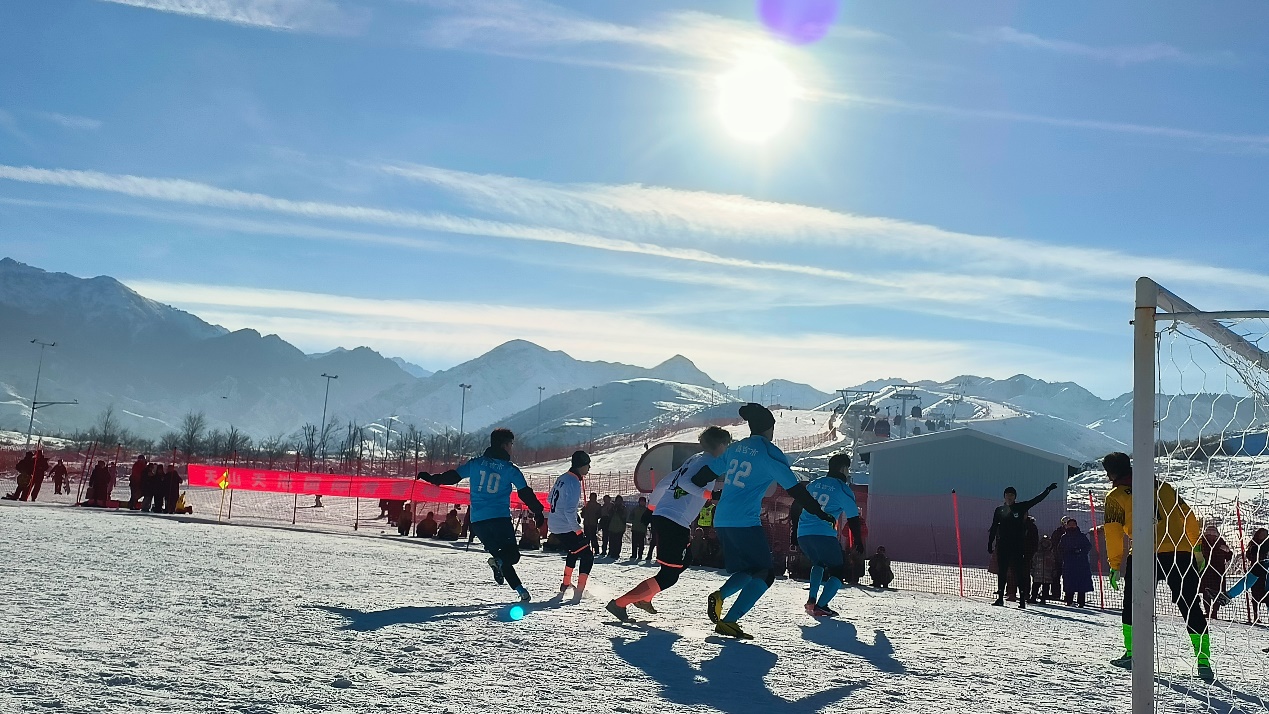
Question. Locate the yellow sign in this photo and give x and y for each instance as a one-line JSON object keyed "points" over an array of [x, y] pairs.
{"points": [[224, 480]]}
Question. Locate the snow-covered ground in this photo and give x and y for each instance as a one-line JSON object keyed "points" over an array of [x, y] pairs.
{"points": [[127, 612]]}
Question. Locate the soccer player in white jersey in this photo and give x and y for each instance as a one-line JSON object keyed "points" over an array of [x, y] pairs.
{"points": [[818, 540], [564, 502], [491, 479], [675, 503], [748, 468]]}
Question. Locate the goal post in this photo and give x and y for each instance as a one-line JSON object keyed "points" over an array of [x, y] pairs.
{"points": [[1200, 390]]}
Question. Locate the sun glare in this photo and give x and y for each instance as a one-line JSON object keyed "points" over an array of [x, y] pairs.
{"points": [[755, 98]]}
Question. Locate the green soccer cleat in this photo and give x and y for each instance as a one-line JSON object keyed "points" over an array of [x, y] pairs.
{"points": [[716, 606], [731, 629]]}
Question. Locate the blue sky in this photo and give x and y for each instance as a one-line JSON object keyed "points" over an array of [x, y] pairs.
{"points": [[960, 188]]}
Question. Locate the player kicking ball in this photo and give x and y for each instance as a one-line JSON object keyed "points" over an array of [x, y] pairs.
{"points": [[818, 540], [491, 479], [675, 503], [565, 500], [748, 467]]}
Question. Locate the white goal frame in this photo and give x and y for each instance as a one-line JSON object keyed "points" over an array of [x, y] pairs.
{"points": [[1155, 304]]}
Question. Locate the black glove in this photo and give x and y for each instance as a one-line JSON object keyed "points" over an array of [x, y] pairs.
{"points": [[1052, 487], [989, 548], [538, 518], [424, 476]]}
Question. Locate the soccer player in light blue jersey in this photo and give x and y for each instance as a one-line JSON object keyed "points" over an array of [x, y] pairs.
{"points": [[492, 477], [748, 467], [818, 540]]}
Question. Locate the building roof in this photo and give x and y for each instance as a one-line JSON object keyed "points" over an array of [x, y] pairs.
{"points": [[966, 432]]}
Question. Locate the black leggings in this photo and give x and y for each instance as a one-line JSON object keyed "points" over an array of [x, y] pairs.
{"points": [[672, 542], [1181, 573], [498, 535], [577, 549], [1007, 558]]}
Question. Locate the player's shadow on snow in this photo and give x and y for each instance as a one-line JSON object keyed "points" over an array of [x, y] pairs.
{"points": [[844, 637], [1209, 696], [731, 682], [363, 621]]}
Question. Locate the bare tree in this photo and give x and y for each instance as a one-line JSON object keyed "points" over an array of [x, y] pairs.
{"points": [[236, 441], [307, 442], [273, 448], [170, 441], [190, 434]]}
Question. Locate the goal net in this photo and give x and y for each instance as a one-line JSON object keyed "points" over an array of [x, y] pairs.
{"points": [[1200, 420]]}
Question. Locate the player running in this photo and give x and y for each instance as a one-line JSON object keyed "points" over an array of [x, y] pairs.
{"points": [[748, 467], [818, 540], [1176, 536], [565, 500], [491, 478], [675, 503]]}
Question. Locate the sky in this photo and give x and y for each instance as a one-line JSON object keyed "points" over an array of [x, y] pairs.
{"points": [[930, 189]]}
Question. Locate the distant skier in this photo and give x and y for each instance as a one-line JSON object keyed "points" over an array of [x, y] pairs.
{"points": [[1176, 536], [491, 479], [59, 476], [818, 540], [748, 467], [565, 500], [1008, 536], [675, 503]]}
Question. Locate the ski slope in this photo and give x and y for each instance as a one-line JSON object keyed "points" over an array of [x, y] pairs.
{"points": [[132, 613]]}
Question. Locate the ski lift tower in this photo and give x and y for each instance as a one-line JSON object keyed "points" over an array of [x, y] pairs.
{"points": [[854, 404], [905, 393]]}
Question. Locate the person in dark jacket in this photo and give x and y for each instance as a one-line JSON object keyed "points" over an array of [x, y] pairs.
{"points": [[616, 528], [428, 526], [879, 568], [1217, 554], [1008, 538], [98, 482], [452, 528], [605, 515], [146, 487], [1044, 570], [25, 467], [59, 477], [38, 471], [638, 528], [171, 489], [1258, 550], [1056, 537], [590, 521], [1077, 574], [136, 482]]}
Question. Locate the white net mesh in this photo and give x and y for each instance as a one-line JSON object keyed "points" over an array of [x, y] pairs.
{"points": [[1212, 417]]}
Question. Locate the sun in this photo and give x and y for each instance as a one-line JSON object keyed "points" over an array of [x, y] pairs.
{"points": [[755, 98]]}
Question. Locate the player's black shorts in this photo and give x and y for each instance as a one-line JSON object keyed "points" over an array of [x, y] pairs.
{"points": [[572, 542], [496, 534], [672, 541]]}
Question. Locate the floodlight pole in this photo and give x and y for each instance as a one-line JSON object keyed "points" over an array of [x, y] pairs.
{"points": [[322, 434], [1143, 497], [30, 427], [462, 416]]}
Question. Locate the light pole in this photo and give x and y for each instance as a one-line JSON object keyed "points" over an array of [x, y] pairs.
{"points": [[322, 434], [540, 392], [462, 416], [35, 402]]}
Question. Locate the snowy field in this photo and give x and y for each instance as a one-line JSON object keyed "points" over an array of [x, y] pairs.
{"points": [[127, 612]]}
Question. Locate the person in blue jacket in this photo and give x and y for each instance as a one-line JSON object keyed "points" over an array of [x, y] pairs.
{"points": [[491, 478], [747, 468], [818, 540]]}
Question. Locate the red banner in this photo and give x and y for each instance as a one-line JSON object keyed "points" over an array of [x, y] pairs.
{"points": [[298, 482]]}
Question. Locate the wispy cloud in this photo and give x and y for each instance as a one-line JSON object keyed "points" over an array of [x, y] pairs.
{"points": [[315, 16], [9, 125], [642, 212], [1120, 54], [444, 332], [70, 121]]}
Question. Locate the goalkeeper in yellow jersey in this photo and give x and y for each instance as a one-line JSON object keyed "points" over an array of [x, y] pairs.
{"points": [[1177, 558]]}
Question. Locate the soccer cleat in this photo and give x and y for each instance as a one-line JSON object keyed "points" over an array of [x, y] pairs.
{"points": [[731, 629], [524, 593], [1124, 661], [1206, 674], [646, 607], [818, 611], [1000, 602], [828, 611], [617, 611], [1022, 604], [565, 586], [810, 608], [716, 606], [496, 566]]}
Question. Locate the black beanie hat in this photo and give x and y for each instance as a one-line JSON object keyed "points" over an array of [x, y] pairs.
{"points": [[581, 458], [759, 417]]}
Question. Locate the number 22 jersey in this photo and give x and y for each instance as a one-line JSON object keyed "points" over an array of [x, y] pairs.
{"points": [[748, 467]]}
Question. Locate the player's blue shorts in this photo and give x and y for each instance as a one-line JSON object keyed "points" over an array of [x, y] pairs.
{"points": [[496, 534], [745, 548], [821, 550]]}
